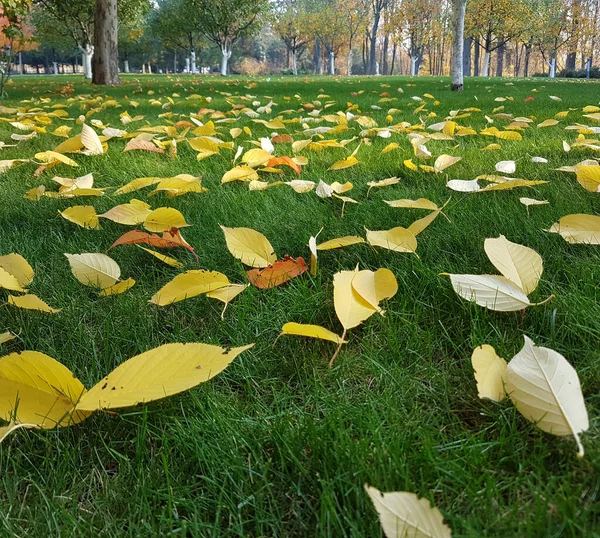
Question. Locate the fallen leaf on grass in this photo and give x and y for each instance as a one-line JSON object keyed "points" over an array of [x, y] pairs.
{"points": [[277, 273], [31, 302]]}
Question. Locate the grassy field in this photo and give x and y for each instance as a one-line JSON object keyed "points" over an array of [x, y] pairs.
{"points": [[278, 444]]}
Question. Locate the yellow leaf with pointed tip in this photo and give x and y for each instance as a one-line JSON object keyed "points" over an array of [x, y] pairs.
{"points": [[118, 288], [397, 239], [249, 246], [520, 264], [82, 215], [390, 147], [548, 123], [490, 373], [165, 259], [158, 373], [52, 156], [18, 267], [340, 242], [36, 389], [588, 177], [164, 218], [491, 147], [419, 225], [91, 141], [531, 201], [403, 515], [31, 302], [137, 184], [63, 131], [255, 157], [35, 194], [445, 161], [491, 291], [545, 389], [509, 135], [135, 212], [383, 182], [94, 269], [576, 229], [226, 294], [421, 203], [240, 173], [344, 163], [376, 286], [350, 308], [6, 337], [9, 282], [189, 284], [410, 165], [311, 331], [512, 184]]}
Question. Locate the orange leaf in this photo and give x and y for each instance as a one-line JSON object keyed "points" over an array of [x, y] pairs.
{"points": [[278, 161], [142, 145], [278, 273], [170, 239], [282, 139]]}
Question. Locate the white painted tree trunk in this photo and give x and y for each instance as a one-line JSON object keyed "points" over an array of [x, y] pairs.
{"points": [[126, 66], [226, 54], [552, 64], [86, 53], [349, 63], [486, 64], [294, 63], [413, 66], [193, 55], [332, 63], [20, 64], [459, 8], [187, 65], [55, 68]]}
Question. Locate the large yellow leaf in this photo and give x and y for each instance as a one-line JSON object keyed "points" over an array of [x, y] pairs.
{"points": [[118, 288], [18, 267], [311, 331], [90, 140], [518, 263], [9, 282], [31, 302], [490, 373], [546, 391], [397, 239], [491, 291], [53, 156], [588, 177], [36, 389], [255, 157], [578, 228], [421, 203], [376, 286], [94, 269], [240, 173], [135, 212], [350, 307], [82, 215], [137, 184], [344, 163], [445, 161], [158, 373], [189, 284], [340, 242], [164, 218], [404, 515], [249, 246]]}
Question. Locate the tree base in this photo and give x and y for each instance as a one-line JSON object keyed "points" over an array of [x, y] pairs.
{"points": [[457, 87]]}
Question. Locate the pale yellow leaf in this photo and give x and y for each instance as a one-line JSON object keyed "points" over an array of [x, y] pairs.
{"points": [[189, 284], [31, 302], [18, 267], [397, 239], [164, 218], [311, 331], [118, 288], [94, 269], [249, 246], [490, 373], [82, 215]]}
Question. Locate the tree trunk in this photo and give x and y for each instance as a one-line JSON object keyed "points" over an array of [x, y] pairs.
{"points": [[226, 54], [394, 50], [187, 64], [571, 60], [526, 61], [317, 57], [459, 8], [384, 53], [349, 62], [55, 68], [414, 60], [552, 64], [175, 61], [126, 66], [500, 60], [331, 62], [476, 58], [87, 52], [193, 55], [486, 64], [468, 43], [294, 62], [373, 39], [106, 57]]}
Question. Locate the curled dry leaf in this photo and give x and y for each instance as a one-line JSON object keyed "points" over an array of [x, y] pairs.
{"points": [[277, 273]]}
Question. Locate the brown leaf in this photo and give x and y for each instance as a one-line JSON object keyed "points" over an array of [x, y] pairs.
{"points": [[171, 239], [145, 145], [278, 273]]}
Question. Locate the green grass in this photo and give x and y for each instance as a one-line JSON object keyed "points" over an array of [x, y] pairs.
{"points": [[278, 444]]}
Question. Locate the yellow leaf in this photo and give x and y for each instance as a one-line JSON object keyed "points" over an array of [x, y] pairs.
{"points": [[588, 177], [404, 515], [82, 215], [137, 184], [311, 331], [421, 203], [419, 225], [164, 218], [118, 288], [340, 242], [545, 389], [397, 239], [52, 156], [5, 431], [350, 307], [6, 337], [255, 157], [344, 163], [63, 131], [574, 229], [165, 259], [410, 165], [94, 269], [158, 373], [548, 123], [490, 373], [445, 161], [226, 294], [376, 286], [18, 267], [31, 302], [522, 265], [249, 246], [512, 184], [91, 141], [135, 212], [189, 284], [508, 135], [491, 147], [36, 389], [240, 173], [390, 147], [9, 282]]}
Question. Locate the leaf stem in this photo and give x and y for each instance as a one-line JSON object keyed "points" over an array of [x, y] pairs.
{"points": [[332, 361]]}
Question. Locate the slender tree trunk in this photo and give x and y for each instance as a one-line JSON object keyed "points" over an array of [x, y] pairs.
{"points": [[476, 53], [106, 55], [294, 62], [486, 64], [500, 60], [384, 53], [459, 8], [373, 48], [174, 61], [87, 51], [468, 43], [225, 55], [349, 62], [394, 51], [528, 47], [126, 66], [317, 57], [552, 64]]}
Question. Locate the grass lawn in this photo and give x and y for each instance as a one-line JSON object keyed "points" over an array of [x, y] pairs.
{"points": [[278, 444]]}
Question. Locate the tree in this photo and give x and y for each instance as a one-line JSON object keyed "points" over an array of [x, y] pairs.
{"points": [[14, 34], [224, 21], [291, 25], [354, 14], [377, 6], [459, 9], [106, 37]]}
